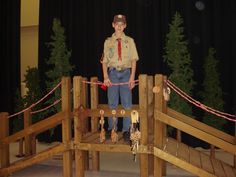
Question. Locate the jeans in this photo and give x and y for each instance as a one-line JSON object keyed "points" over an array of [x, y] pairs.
{"points": [[119, 91]]}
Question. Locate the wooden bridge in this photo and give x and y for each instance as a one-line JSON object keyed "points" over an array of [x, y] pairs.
{"points": [[155, 147]]}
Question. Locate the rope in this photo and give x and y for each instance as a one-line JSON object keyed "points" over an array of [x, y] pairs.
{"points": [[43, 109], [199, 104], [113, 84], [34, 104]]}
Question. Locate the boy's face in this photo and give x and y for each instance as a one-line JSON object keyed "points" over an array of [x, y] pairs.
{"points": [[119, 27]]}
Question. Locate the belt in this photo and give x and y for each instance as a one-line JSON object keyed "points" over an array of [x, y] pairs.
{"points": [[119, 69]]}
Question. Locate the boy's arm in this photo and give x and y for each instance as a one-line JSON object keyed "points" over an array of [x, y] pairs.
{"points": [[132, 75], [106, 79]]}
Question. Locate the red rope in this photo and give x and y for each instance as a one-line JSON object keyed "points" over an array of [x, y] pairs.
{"points": [[198, 104], [34, 104], [113, 84], [41, 110]]}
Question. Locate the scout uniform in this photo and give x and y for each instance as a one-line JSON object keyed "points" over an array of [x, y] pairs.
{"points": [[111, 52], [118, 55]]}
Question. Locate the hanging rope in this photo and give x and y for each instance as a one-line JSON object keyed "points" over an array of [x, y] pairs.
{"points": [[113, 84], [46, 108], [199, 104], [34, 104]]}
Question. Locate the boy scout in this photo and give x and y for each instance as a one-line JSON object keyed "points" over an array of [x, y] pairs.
{"points": [[119, 66]]}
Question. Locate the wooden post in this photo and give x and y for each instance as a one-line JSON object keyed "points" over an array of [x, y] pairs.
{"points": [[85, 123], [235, 141], [143, 105], [150, 122], [4, 132], [28, 138], [79, 157], [212, 152], [159, 128], [94, 121], [66, 126]]}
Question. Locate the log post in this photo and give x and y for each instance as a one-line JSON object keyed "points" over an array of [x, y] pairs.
{"points": [[4, 132], [94, 121], [66, 126], [159, 127], [79, 154], [235, 142], [28, 138], [143, 105], [85, 124], [150, 122]]}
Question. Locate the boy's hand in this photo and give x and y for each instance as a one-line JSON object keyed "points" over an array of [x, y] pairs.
{"points": [[131, 83], [107, 82]]}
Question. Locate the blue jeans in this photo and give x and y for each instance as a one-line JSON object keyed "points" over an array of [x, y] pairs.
{"points": [[119, 91]]}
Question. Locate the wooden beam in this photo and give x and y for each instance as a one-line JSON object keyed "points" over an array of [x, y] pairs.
{"points": [[36, 128], [32, 160], [201, 126], [198, 133], [181, 163]]}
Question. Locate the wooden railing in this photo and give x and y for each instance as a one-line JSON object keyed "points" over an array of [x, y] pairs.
{"points": [[154, 114], [31, 130]]}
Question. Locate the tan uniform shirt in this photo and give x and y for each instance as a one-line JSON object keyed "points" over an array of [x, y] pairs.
{"points": [[128, 52]]}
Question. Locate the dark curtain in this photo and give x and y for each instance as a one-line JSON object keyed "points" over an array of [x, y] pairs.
{"points": [[208, 23], [9, 53]]}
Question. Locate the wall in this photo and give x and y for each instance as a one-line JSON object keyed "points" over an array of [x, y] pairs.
{"points": [[29, 36]]}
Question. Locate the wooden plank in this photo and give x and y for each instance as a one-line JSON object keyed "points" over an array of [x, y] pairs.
{"points": [[181, 163], [171, 146], [120, 112], [195, 132], [37, 127], [33, 159], [228, 170], [218, 168], [111, 147], [119, 107], [206, 163], [183, 152], [195, 158], [91, 139], [201, 126]]}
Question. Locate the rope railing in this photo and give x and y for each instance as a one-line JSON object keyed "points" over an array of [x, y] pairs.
{"points": [[36, 103], [199, 104], [113, 84], [46, 108]]}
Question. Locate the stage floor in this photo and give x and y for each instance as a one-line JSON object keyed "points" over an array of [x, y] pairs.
{"points": [[111, 165]]}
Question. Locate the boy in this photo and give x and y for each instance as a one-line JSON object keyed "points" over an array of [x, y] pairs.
{"points": [[119, 66]]}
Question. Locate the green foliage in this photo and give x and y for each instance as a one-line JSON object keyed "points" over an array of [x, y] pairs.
{"points": [[59, 60], [212, 95], [19, 102], [33, 94], [59, 64], [178, 61]]}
